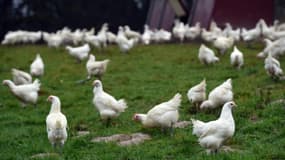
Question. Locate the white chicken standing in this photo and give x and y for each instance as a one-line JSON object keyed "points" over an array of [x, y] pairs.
{"points": [[106, 104], [193, 32], [96, 68], [21, 77], [236, 58], [219, 95], [130, 33], [146, 36], [229, 32], [275, 48], [56, 123], [207, 36], [163, 115], [178, 30], [197, 94], [252, 34], [215, 29], [37, 67], [111, 37], [213, 134], [206, 55], [125, 44], [223, 43], [272, 67], [80, 53], [26, 93]]}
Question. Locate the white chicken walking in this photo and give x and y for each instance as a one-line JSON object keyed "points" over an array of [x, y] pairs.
{"points": [[213, 134], [80, 53], [21, 77], [206, 55], [272, 67], [96, 68], [56, 123], [106, 104], [26, 93], [219, 96], [178, 30], [37, 67], [163, 115], [197, 94], [123, 42], [236, 58], [223, 43]]}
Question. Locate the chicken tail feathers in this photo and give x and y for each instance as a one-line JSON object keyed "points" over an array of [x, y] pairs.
{"points": [[105, 64], [197, 127], [122, 105], [37, 83], [68, 48], [176, 100]]}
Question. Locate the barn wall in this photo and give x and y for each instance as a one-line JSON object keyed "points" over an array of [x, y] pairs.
{"points": [[243, 13]]}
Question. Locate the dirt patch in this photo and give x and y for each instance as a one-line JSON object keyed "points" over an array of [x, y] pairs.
{"points": [[124, 139], [182, 124], [44, 155], [279, 101], [229, 149], [82, 133], [254, 118]]}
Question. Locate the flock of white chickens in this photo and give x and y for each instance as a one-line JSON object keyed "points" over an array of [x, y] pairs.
{"points": [[211, 135]]}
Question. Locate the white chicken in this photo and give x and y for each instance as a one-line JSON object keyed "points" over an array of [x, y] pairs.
{"points": [[102, 36], [223, 43], [131, 34], [161, 35], [214, 29], [80, 53], [111, 37], [53, 40], [275, 48], [251, 34], [206, 55], [229, 32], [193, 32], [146, 36], [163, 115], [26, 93], [125, 44], [197, 94], [56, 123], [106, 104], [219, 95], [267, 32], [213, 134], [207, 36], [37, 67], [21, 77], [272, 67], [178, 30], [96, 68], [236, 58]]}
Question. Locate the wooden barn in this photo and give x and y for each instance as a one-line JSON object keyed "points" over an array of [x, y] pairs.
{"points": [[244, 13]]}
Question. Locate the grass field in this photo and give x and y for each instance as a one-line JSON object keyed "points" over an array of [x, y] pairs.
{"points": [[145, 77]]}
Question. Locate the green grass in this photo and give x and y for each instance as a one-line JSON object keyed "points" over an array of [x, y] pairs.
{"points": [[147, 76]]}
